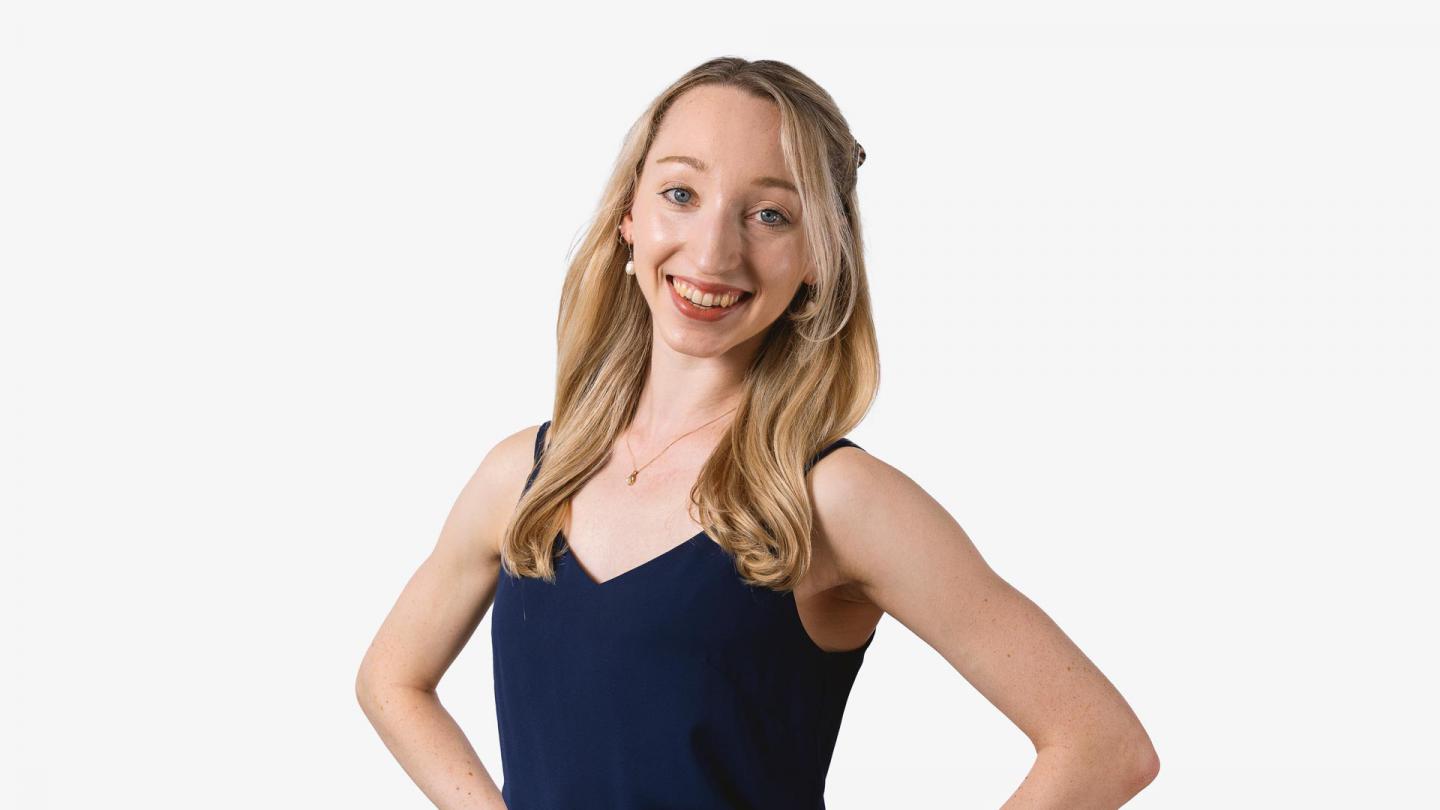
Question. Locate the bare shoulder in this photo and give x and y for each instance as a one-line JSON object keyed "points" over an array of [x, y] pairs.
{"points": [[885, 534], [470, 538], [488, 499]]}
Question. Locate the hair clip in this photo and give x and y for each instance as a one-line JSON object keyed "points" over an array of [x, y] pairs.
{"points": [[859, 155]]}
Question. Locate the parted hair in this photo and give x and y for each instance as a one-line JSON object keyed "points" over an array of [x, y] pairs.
{"points": [[811, 382]]}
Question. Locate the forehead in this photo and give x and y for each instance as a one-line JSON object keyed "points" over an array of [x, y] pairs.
{"points": [[725, 127]]}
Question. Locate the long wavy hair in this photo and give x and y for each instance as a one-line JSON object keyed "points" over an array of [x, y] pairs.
{"points": [[812, 380]]}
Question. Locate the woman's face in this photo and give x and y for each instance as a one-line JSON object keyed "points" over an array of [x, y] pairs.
{"points": [[717, 210]]}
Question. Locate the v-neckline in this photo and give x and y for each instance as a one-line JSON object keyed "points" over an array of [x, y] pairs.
{"points": [[593, 583]]}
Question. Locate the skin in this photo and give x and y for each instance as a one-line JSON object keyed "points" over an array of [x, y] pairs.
{"points": [[882, 545], [718, 227]]}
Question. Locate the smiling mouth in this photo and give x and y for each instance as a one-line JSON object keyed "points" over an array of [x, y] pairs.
{"points": [[704, 300]]}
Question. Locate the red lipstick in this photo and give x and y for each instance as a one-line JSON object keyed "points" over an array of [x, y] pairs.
{"points": [[694, 311]]}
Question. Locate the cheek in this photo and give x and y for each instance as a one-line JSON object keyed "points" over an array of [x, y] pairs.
{"points": [[654, 227], [780, 272]]}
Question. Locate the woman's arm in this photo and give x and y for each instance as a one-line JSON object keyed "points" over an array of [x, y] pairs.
{"points": [[902, 551], [435, 616]]}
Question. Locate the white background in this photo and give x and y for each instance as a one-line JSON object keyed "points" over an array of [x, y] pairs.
{"points": [[1156, 294]]}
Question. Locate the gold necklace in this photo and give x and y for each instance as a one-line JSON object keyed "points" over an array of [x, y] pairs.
{"points": [[630, 479]]}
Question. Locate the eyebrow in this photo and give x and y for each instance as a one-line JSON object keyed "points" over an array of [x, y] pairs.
{"points": [[699, 165]]}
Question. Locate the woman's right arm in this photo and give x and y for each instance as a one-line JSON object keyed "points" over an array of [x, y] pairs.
{"points": [[432, 620]]}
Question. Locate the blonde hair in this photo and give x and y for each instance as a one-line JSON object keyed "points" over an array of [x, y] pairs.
{"points": [[812, 380]]}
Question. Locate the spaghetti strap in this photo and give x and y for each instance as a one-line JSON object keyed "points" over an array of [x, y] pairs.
{"points": [[830, 448], [540, 439], [539, 450]]}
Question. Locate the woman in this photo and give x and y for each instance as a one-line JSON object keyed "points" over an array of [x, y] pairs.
{"points": [[715, 345]]}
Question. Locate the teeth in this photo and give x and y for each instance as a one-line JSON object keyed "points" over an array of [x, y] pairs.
{"points": [[704, 299]]}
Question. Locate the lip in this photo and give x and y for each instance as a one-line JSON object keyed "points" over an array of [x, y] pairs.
{"points": [[717, 289], [689, 310]]}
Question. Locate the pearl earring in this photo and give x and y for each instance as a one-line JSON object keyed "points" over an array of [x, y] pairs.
{"points": [[630, 265], [812, 302]]}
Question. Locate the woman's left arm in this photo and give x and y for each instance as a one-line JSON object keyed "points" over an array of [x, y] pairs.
{"points": [[902, 551]]}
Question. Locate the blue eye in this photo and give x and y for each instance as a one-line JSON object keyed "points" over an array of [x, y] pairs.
{"points": [[781, 222]]}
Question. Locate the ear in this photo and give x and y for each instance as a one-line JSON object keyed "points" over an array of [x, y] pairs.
{"points": [[626, 225]]}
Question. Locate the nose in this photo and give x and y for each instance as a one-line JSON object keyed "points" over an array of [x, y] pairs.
{"points": [[716, 243]]}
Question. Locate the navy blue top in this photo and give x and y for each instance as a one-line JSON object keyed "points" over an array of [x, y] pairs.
{"points": [[673, 685]]}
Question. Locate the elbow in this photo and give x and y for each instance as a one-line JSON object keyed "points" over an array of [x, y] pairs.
{"points": [[1117, 766], [1144, 762], [373, 687], [1146, 771], [367, 686], [362, 688], [1128, 762]]}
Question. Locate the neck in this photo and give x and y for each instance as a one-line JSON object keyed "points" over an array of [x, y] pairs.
{"points": [[683, 392]]}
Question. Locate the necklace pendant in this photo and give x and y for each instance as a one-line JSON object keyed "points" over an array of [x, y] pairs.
{"points": [[630, 480]]}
